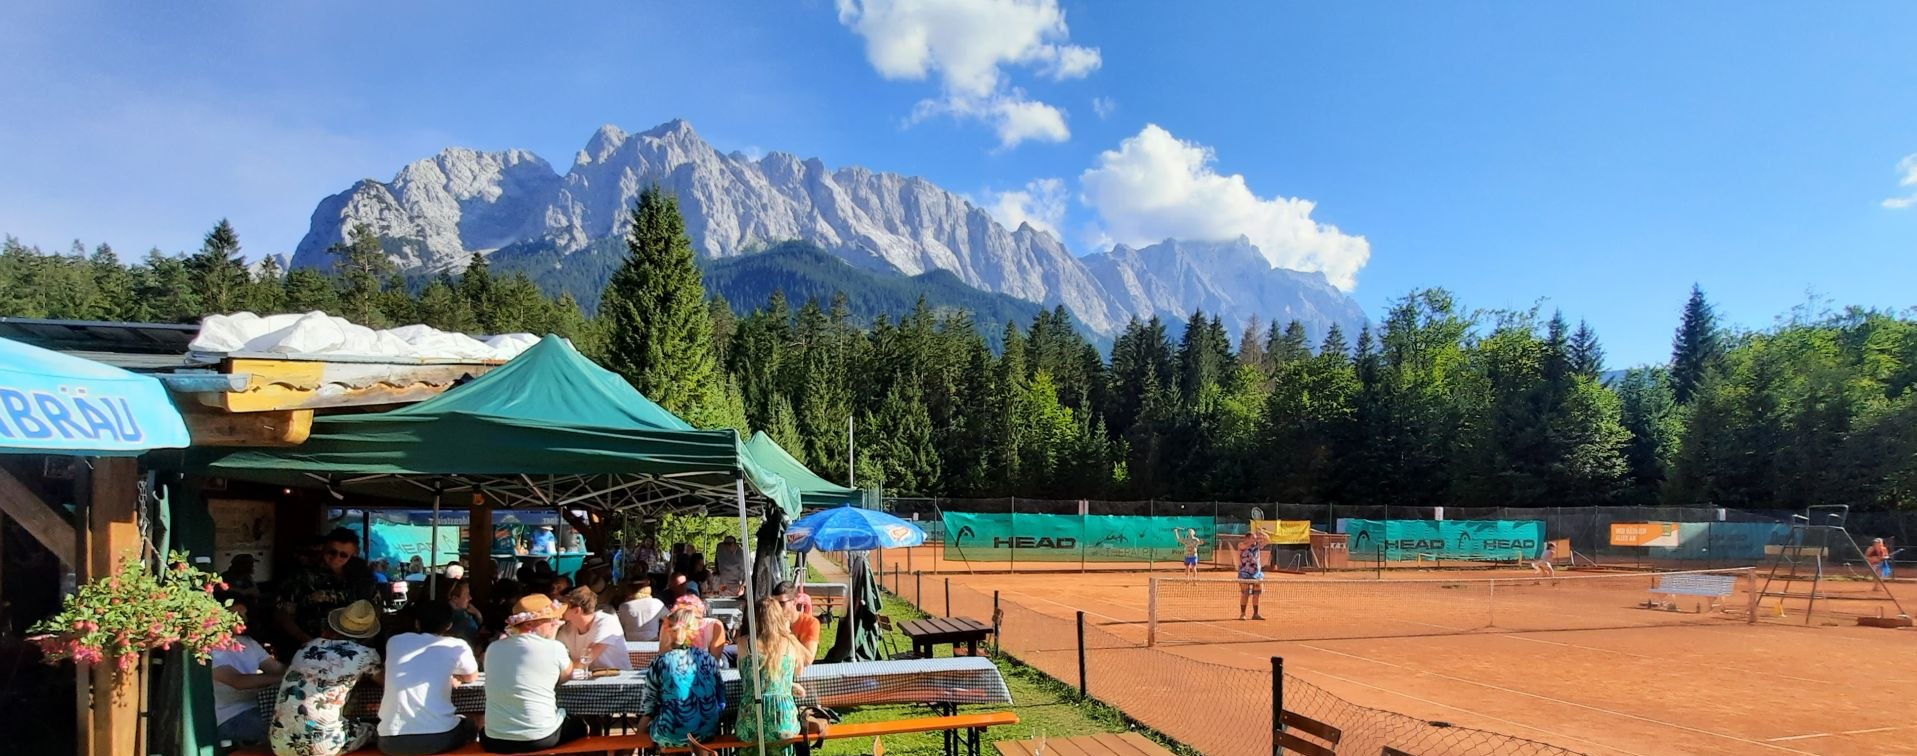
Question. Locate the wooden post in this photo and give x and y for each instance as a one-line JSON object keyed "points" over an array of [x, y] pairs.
{"points": [[115, 535], [1277, 703], [479, 548]]}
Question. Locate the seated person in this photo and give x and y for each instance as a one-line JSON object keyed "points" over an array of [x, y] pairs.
{"points": [[523, 672], [685, 695], [805, 626], [593, 639], [466, 619], [729, 569], [239, 670], [416, 715], [710, 635], [773, 659], [309, 715], [639, 617]]}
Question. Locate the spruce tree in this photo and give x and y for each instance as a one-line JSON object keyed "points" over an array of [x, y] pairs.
{"points": [[362, 263], [1696, 349], [308, 290], [218, 273], [1251, 347], [1587, 356], [659, 333], [266, 291]]}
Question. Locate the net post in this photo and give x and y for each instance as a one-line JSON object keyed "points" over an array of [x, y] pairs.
{"points": [[1081, 655], [948, 597], [1491, 612], [1277, 703], [1014, 535], [1380, 562], [1151, 613], [1750, 582]]}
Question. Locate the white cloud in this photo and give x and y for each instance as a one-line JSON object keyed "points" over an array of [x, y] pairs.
{"points": [[1156, 186], [1104, 107], [1041, 203], [969, 45], [1907, 167]]}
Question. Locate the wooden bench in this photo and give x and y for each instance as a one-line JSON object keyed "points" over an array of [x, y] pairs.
{"points": [[1289, 737], [972, 723], [1716, 587], [602, 744]]}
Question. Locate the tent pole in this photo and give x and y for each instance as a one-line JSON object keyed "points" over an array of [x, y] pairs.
{"points": [[751, 624], [432, 548]]}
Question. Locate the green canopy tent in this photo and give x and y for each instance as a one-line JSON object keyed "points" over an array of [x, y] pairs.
{"points": [[814, 492], [549, 429]]}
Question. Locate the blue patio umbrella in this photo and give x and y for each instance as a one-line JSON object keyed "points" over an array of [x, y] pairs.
{"points": [[850, 528], [51, 403]]}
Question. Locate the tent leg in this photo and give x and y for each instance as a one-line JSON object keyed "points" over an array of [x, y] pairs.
{"points": [[751, 616], [432, 548]]}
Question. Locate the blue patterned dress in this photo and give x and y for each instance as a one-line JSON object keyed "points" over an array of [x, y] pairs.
{"points": [[684, 696]]}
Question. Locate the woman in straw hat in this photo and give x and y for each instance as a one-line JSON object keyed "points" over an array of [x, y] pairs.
{"points": [[523, 671], [308, 717]]}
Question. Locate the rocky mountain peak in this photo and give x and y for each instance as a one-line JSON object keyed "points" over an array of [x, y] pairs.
{"points": [[437, 212]]}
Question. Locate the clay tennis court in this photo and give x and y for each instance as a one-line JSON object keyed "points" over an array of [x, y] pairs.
{"points": [[1583, 668]]}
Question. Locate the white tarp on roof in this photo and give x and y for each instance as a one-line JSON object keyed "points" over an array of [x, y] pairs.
{"points": [[316, 335]]}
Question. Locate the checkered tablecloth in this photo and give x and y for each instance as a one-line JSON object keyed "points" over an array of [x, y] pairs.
{"points": [[957, 680]]}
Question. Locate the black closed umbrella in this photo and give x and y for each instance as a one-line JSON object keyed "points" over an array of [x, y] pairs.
{"points": [[858, 636]]}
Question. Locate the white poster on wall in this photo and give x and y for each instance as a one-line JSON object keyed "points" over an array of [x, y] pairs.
{"points": [[243, 526]]}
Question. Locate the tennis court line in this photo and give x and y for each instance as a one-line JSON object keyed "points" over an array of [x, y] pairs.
{"points": [[1871, 731], [1552, 699]]}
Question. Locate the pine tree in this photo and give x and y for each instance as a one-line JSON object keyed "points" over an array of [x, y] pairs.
{"points": [[1696, 349], [441, 307], [1650, 415], [266, 291], [114, 282], [308, 290], [476, 287], [1587, 357], [1251, 348], [164, 291], [218, 272], [362, 263], [659, 332]]}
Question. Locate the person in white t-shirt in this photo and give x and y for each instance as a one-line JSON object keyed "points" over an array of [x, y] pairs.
{"points": [[237, 673], [595, 640], [640, 616], [523, 672], [416, 715]]}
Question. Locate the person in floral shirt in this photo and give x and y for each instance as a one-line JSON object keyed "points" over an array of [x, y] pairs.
{"points": [[308, 717]]}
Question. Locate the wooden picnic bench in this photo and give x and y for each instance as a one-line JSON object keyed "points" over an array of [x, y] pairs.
{"points": [[971, 724], [1716, 587], [929, 633], [613, 744], [1109, 744]]}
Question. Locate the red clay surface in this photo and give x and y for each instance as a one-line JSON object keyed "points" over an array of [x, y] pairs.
{"points": [[1637, 684]]}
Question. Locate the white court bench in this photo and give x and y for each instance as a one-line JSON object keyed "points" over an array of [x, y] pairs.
{"points": [[1715, 587]]}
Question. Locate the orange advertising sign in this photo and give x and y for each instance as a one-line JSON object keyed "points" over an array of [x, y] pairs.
{"points": [[1664, 534]]}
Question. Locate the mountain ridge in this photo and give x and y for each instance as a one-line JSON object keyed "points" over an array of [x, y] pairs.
{"points": [[514, 207]]}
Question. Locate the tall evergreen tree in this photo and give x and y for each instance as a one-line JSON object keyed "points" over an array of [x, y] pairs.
{"points": [[218, 272], [309, 290], [1587, 356], [266, 290], [362, 264], [659, 332], [1696, 349]]}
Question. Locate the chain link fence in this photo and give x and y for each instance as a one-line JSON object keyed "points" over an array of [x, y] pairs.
{"points": [[1707, 537], [1214, 709]]}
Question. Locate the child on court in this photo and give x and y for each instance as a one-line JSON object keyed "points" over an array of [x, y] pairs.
{"points": [[1543, 563], [1192, 543], [1251, 574]]}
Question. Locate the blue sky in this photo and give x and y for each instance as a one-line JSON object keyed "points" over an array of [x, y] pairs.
{"points": [[1595, 157]]}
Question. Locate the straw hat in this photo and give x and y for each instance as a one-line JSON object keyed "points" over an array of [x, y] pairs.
{"points": [[356, 620], [536, 607]]}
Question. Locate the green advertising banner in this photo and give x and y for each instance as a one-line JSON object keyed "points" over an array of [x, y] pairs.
{"points": [[1447, 539], [1061, 538]]}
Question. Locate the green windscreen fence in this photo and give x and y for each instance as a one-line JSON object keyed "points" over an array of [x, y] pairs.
{"points": [[1071, 538], [1493, 540]]}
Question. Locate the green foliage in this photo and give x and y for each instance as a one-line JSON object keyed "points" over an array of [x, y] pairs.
{"points": [[1433, 405], [119, 617], [659, 332]]}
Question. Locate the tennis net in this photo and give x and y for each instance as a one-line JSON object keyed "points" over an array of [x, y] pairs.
{"points": [[1202, 610]]}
